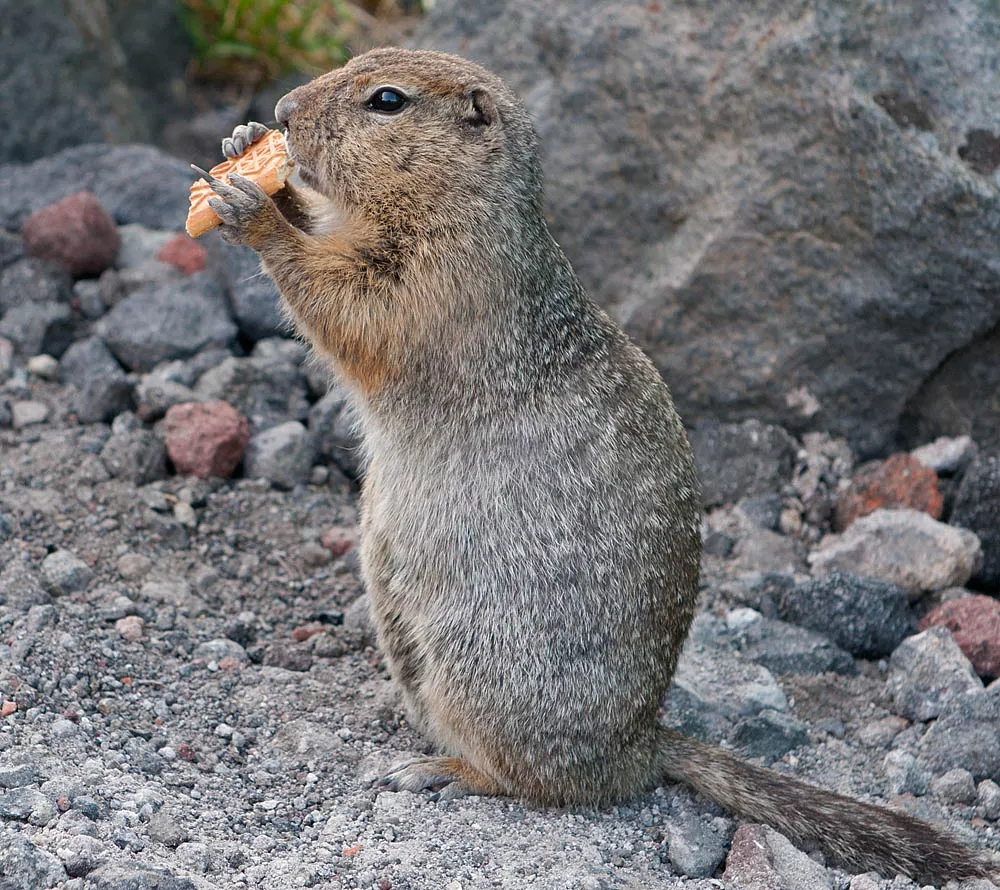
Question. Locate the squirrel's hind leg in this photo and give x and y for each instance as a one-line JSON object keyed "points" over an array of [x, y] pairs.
{"points": [[449, 777]]}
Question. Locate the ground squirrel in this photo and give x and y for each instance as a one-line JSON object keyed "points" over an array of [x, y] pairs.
{"points": [[531, 510]]}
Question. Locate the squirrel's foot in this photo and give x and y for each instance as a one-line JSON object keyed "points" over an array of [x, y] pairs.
{"points": [[243, 137], [248, 214], [448, 777]]}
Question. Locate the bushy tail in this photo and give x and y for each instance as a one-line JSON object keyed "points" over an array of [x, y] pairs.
{"points": [[857, 835]]}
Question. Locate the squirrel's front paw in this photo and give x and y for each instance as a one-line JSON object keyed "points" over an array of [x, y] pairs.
{"points": [[248, 215], [243, 137]]}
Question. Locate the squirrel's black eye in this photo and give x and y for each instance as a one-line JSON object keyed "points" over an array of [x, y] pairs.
{"points": [[387, 100]]}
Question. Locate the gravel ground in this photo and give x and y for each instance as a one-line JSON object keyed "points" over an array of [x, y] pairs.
{"points": [[190, 695]]}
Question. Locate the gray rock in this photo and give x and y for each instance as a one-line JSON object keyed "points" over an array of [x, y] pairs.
{"points": [[302, 741], [174, 319], [903, 774], [865, 616], [117, 285], [156, 395], [709, 673], [947, 455], [977, 508], [988, 797], [102, 389], [694, 848], [18, 776], [81, 854], [64, 572], [267, 390], [282, 454], [252, 295], [215, 650], [164, 830], [783, 648], [34, 328], [87, 295], [289, 656], [769, 735], [117, 877], [955, 786], [334, 432], [20, 587], [902, 547], [958, 396], [115, 92], [926, 672], [24, 414], [738, 460], [24, 866], [138, 244], [762, 859], [11, 249], [748, 547], [194, 857], [135, 455], [32, 280], [136, 183], [763, 510], [26, 805], [966, 736], [758, 279]]}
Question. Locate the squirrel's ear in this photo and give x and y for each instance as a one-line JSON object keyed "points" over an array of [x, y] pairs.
{"points": [[478, 108]]}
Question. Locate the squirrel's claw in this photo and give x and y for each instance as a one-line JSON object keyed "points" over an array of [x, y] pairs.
{"points": [[243, 137]]}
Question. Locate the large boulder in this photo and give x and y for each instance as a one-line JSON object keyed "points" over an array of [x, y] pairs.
{"points": [[87, 71], [790, 205], [136, 183]]}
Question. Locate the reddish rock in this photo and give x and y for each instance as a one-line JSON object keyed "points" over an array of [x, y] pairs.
{"points": [[76, 232], [7, 708], [750, 863], [130, 628], [186, 752], [183, 252], [304, 632], [338, 540], [974, 622], [206, 439], [900, 481]]}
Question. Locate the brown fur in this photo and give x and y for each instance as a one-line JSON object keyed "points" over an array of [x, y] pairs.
{"points": [[531, 512]]}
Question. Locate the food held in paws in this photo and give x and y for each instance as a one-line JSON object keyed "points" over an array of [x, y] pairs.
{"points": [[266, 162]]}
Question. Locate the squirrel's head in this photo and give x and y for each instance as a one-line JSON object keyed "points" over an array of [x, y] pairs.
{"points": [[413, 138]]}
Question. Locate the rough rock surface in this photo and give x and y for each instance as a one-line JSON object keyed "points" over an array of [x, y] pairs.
{"points": [[865, 616], [111, 72], [926, 672], [738, 460], [167, 321], [153, 194], [977, 507], [902, 547], [794, 235]]}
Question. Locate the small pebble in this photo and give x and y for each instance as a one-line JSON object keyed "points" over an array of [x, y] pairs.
{"points": [[955, 786], [988, 797], [44, 366], [28, 413], [130, 628]]}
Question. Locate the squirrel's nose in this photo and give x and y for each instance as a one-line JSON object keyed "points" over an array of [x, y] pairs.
{"points": [[283, 110]]}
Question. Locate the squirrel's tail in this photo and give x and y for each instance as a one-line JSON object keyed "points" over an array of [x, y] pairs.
{"points": [[856, 834]]}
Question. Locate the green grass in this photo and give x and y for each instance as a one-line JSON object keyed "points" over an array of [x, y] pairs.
{"points": [[255, 40]]}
